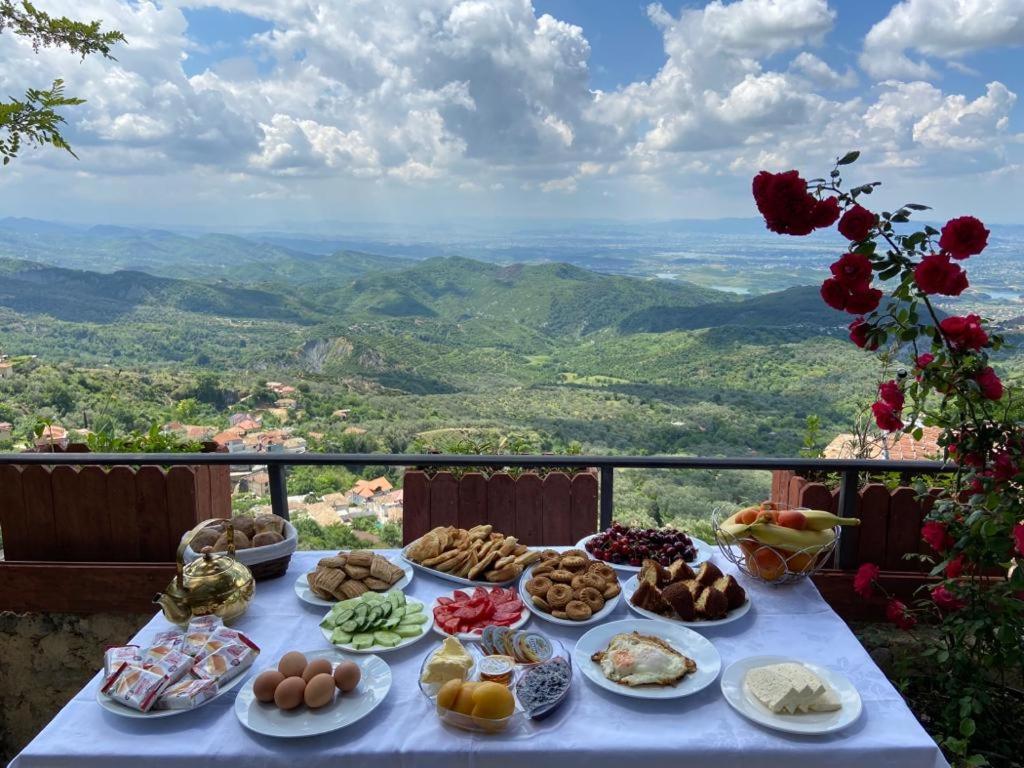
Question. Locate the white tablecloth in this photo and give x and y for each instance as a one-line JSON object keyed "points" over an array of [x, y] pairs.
{"points": [[593, 727]]}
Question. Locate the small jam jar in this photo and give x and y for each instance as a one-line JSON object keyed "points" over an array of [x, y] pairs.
{"points": [[497, 669]]}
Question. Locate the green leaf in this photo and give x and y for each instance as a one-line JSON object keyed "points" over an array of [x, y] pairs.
{"points": [[889, 272], [848, 158], [917, 207], [967, 727]]}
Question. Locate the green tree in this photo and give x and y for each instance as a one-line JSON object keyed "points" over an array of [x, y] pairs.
{"points": [[34, 120]]}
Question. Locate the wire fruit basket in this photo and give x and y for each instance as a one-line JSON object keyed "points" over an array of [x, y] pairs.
{"points": [[773, 564]]}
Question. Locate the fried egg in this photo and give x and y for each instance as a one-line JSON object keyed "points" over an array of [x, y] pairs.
{"points": [[635, 659]]}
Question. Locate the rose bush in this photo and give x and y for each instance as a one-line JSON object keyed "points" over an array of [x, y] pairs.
{"points": [[976, 529]]}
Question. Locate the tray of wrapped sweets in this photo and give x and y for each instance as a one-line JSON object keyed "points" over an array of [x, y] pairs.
{"points": [[178, 672]]}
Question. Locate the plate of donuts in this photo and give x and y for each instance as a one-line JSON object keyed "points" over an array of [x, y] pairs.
{"points": [[570, 588]]}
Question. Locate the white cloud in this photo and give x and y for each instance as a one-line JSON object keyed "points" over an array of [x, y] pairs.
{"points": [[818, 73], [945, 29], [964, 125]]}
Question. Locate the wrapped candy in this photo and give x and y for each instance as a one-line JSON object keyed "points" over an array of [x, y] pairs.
{"points": [[187, 694], [113, 658], [225, 663], [135, 687]]}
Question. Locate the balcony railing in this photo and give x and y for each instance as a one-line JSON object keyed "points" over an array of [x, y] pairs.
{"points": [[277, 463]]}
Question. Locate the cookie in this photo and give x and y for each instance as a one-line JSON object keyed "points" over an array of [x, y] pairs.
{"points": [[559, 595]]}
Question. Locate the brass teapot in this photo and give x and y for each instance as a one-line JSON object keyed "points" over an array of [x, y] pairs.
{"points": [[215, 583]]}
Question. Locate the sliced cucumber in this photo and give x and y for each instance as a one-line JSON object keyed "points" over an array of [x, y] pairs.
{"points": [[408, 630], [387, 639], [340, 637], [413, 618]]}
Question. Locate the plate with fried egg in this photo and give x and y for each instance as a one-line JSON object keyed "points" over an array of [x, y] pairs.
{"points": [[647, 659]]}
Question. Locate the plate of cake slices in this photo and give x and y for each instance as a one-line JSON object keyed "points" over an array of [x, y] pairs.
{"points": [[647, 659], [700, 599], [790, 695]]}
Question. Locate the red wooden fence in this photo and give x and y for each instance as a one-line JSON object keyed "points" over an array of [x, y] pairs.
{"points": [[555, 510]]}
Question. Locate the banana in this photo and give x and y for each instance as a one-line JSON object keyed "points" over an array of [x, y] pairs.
{"points": [[790, 539], [819, 520], [732, 531]]}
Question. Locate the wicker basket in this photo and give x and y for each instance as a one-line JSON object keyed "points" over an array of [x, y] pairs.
{"points": [[269, 562], [783, 566]]}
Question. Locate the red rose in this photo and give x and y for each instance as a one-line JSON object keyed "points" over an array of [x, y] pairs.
{"points": [[856, 223], [853, 270], [964, 332], [936, 535], [864, 300], [891, 394], [955, 567], [897, 613], [945, 599], [923, 361], [991, 386], [859, 334], [1018, 538], [834, 293], [783, 200], [937, 274], [1004, 468], [886, 417], [963, 237], [825, 213], [863, 582]]}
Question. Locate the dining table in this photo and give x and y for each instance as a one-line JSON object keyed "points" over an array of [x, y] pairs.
{"points": [[593, 727]]}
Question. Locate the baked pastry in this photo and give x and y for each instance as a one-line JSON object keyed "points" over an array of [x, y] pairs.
{"points": [[205, 538], [679, 597], [559, 595], [269, 522], [574, 563], [653, 572], [241, 542], [591, 597], [708, 573], [734, 593], [561, 575], [712, 604], [265, 538], [246, 525], [581, 580], [577, 610], [538, 585], [649, 598], [679, 570]]}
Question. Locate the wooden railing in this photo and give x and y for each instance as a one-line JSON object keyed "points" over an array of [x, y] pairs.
{"points": [[522, 507]]}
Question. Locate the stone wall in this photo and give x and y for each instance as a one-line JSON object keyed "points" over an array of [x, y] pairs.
{"points": [[47, 658]]}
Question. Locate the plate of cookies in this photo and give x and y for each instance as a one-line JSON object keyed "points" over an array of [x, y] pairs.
{"points": [[570, 588], [348, 575], [477, 556]]}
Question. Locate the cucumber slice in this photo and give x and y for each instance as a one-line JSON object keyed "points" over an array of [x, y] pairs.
{"points": [[372, 597], [392, 621], [387, 639], [362, 640], [399, 598], [340, 637], [414, 618], [409, 630], [386, 608], [349, 626], [412, 607]]}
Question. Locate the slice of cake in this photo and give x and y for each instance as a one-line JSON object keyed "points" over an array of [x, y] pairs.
{"points": [[649, 598], [711, 604], [732, 590], [678, 571]]}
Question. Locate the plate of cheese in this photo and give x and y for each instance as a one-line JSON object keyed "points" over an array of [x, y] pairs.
{"points": [[790, 695]]}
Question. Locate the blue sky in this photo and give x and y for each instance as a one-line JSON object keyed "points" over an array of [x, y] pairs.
{"points": [[414, 110]]}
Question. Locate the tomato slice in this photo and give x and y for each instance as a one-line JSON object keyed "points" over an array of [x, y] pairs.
{"points": [[459, 596], [480, 592], [444, 601]]}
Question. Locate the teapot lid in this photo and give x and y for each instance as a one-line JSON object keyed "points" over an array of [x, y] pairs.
{"points": [[210, 564]]}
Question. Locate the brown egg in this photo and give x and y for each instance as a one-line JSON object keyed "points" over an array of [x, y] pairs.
{"points": [[290, 692], [265, 684], [316, 667], [346, 676], [319, 691], [292, 664]]}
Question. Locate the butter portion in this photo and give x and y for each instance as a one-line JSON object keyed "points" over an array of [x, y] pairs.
{"points": [[449, 662]]}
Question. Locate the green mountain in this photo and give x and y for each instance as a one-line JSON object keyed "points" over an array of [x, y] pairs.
{"points": [[100, 297], [207, 257], [552, 299]]}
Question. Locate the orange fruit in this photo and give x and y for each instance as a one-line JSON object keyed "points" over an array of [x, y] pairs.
{"points": [[766, 563], [792, 518], [747, 516], [800, 562]]}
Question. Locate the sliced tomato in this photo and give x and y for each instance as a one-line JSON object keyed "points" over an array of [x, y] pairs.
{"points": [[451, 626], [459, 596], [444, 601], [499, 595], [479, 592]]}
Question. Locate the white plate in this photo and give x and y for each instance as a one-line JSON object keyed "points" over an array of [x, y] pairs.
{"points": [[455, 579], [466, 636], [704, 552], [609, 606], [306, 595], [810, 723], [684, 640], [630, 587], [380, 648], [348, 708], [120, 709]]}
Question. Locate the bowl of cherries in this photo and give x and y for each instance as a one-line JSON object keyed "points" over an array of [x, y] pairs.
{"points": [[626, 548]]}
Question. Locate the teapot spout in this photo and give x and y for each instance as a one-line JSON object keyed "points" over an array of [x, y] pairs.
{"points": [[173, 610]]}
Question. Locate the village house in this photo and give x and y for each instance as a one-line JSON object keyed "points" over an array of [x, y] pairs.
{"points": [[364, 490], [257, 483], [196, 432], [286, 402], [903, 447], [52, 434], [281, 414], [6, 370], [237, 418], [6, 430]]}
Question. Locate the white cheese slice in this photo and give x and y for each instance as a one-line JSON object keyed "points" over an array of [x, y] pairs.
{"points": [[790, 688]]}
